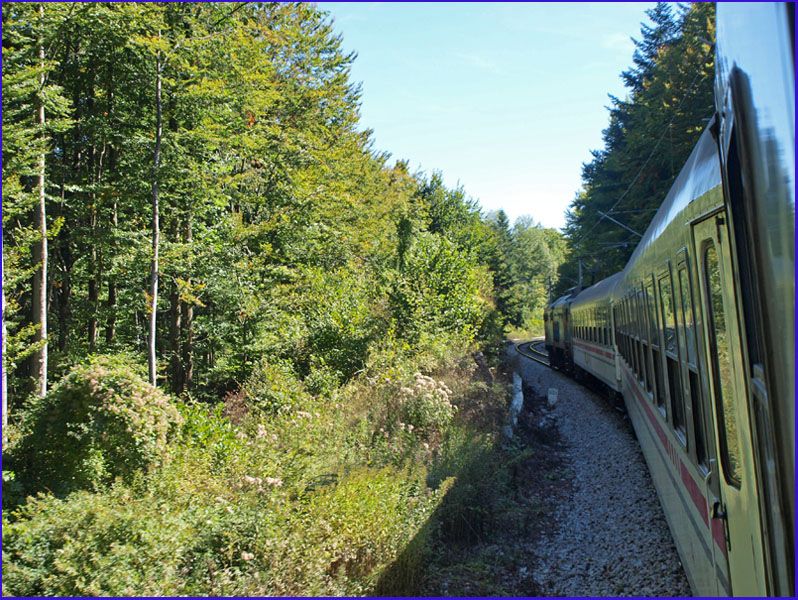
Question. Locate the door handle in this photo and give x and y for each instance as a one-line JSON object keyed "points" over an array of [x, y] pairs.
{"points": [[719, 512]]}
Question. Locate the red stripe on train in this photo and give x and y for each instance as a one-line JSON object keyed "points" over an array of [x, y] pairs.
{"points": [[696, 495], [593, 349]]}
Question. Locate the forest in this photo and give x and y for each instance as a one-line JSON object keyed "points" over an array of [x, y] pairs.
{"points": [[245, 352], [650, 135]]}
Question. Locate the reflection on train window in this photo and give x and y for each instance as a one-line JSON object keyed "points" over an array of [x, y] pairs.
{"points": [[641, 359], [666, 302], [641, 301], [687, 315], [652, 322], [722, 367], [689, 336], [671, 353], [654, 315]]}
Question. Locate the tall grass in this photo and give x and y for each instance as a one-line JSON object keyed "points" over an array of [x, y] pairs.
{"points": [[291, 493]]}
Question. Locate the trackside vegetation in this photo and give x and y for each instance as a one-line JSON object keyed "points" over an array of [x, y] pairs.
{"points": [[245, 352], [649, 137]]}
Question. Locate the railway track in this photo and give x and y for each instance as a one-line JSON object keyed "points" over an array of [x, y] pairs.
{"points": [[532, 350]]}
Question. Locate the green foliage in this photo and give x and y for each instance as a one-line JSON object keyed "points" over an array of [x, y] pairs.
{"points": [[102, 421], [436, 291], [649, 137], [425, 405], [273, 388], [331, 542], [470, 507], [300, 503], [317, 307]]}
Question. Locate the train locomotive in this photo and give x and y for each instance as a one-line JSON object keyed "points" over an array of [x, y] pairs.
{"points": [[697, 332]]}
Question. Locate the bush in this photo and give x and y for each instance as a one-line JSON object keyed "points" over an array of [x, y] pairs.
{"points": [[273, 388], [335, 540], [437, 291], [101, 421], [304, 495], [426, 404]]}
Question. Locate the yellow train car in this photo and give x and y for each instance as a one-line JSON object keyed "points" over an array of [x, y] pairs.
{"points": [[701, 342]]}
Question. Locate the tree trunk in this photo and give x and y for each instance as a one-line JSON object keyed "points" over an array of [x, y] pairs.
{"points": [[110, 324], [188, 323], [64, 288], [175, 369], [96, 276], [4, 382], [93, 284], [39, 295], [156, 233]]}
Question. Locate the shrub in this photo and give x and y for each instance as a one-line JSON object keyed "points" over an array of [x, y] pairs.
{"points": [[336, 540], [89, 544], [426, 404], [436, 291], [101, 421], [274, 388]]}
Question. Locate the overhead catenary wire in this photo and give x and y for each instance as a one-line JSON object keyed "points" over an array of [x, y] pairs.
{"points": [[691, 90]]}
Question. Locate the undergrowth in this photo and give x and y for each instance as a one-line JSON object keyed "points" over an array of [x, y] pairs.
{"points": [[281, 490]]}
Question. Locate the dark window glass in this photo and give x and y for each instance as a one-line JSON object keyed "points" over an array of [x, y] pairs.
{"points": [[671, 341], [688, 325], [652, 322], [668, 316]]}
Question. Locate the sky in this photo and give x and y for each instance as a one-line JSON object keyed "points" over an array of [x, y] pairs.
{"points": [[506, 99]]}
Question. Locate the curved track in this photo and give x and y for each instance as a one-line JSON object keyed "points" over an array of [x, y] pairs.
{"points": [[532, 351]]}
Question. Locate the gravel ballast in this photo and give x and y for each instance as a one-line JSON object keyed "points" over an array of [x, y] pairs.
{"points": [[608, 535]]}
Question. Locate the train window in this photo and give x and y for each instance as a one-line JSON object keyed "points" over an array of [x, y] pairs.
{"points": [[638, 348], [643, 342], [629, 335], [671, 342], [656, 359], [633, 337], [652, 333], [688, 327], [668, 315], [688, 339], [601, 326], [722, 367], [628, 330], [651, 310], [621, 341], [625, 308]]}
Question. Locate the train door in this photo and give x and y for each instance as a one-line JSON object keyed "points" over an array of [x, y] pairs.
{"points": [[734, 514]]}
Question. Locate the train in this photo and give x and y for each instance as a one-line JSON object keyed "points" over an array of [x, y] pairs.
{"points": [[696, 333]]}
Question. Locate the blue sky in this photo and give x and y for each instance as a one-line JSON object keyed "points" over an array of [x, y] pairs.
{"points": [[507, 99]]}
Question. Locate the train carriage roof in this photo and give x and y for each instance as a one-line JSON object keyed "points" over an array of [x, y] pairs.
{"points": [[562, 300], [601, 290]]}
